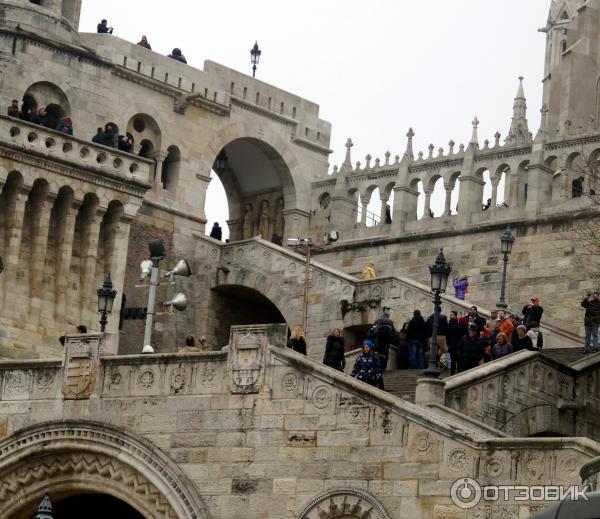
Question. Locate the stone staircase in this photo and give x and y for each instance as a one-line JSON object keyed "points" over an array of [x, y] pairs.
{"points": [[403, 382], [564, 355]]}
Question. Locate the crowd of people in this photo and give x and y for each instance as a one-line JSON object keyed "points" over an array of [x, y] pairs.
{"points": [[175, 54], [25, 112]]}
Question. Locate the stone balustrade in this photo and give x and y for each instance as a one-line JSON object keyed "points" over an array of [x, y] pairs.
{"points": [[81, 154]]}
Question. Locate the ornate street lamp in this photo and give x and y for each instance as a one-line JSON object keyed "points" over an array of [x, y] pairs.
{"points": [[507, 240], [45, 509], [106, 298], [255, 53], [440, 271]]}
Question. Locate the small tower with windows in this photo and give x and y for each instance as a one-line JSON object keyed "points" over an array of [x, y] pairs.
{"points": [[572, 68], [58, 19]]}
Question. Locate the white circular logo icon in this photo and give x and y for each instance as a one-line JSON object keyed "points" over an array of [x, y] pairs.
{"points": [[465, 493]]}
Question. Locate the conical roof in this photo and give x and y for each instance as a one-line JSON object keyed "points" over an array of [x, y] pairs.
{"points": [[45, 509]]}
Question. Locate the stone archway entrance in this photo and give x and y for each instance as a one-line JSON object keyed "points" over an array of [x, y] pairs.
{"points": [[259, 187], [93, 506], [71, 458]]}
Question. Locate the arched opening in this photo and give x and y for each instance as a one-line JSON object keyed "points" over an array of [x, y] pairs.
{"points": [[96, 506], [240, 305], [258, 187], [170, 170], [49, 96], [438, 198], [454, 183], [143, 127], [359, 206], [146, 149], [216, 207], [486, 199], [503, 186], [374, 208], [420, 200]]}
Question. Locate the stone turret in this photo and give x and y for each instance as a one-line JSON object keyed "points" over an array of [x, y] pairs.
{"points": [[45, 509], [58, 19], [518, 134], [572, 67]]}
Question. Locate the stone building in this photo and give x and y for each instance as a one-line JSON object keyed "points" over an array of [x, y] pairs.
{"points": [[220, 433]]}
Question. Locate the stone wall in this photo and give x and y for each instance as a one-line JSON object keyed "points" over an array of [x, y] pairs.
{"points": [[260, 431]]}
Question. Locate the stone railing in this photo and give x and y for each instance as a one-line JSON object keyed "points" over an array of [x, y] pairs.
{"points": [[80, 154], [527, 394]]}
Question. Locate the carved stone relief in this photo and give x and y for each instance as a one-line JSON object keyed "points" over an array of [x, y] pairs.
{"points": [[82, 357], [342, 504]]}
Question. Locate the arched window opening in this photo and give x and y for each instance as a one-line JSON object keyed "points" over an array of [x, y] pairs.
{"points": [[420, 200], [438, 198], [144, 128], [146, 149], [501, 192], [454, 197], [374, 208], [216, 207], [44, 95], [486, 200], [36, 2], [170, 169]]}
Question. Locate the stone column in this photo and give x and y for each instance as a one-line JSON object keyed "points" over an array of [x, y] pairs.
{"points": [[495, 182], [471, 193], [65, 255], [14, 229], [87, 290], [364, 200], [235, 233], [405, 206], [448, 200], [427, 205], [38, 258], [159, 159], [384, 200]]}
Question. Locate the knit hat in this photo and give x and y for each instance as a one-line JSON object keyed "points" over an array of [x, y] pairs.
{"points": [[368, 343]]}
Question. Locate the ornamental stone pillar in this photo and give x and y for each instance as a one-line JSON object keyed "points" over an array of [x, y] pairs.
{"points": [[384, 200], [87, 290], [364, 200], [65, 255], [448, 200]]}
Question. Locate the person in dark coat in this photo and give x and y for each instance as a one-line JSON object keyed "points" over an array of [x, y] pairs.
{"points": [[577, 187], [144, 43], [40, 118], [384, 330], [417, 338], [65, 126], [454, 333], [334, 351], [403, 357], [367, 367], [124, 144], [475, 319], [13, 110], [523, 341], [470, 350], [297, 341], [216, 232], [502, 348], [591, 321], [103, 28], [177, 56], [532, 311]]}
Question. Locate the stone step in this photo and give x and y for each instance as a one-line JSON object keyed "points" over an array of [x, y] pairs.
{"points": [[403, 382], [564, 355]]}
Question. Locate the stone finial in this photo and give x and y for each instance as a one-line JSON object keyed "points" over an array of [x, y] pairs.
{"points": [[357, 166], [431, 147], [474, 136], [519, 134], [409, 145], [461, 148], [451, 147], [368, 161], [440, 152], [347, 164], [335, 169], [420, 156], [397, 159], [497, 136], [377, 163], [486, 144], [387, 158]]}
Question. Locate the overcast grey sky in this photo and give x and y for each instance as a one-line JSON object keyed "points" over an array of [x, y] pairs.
{"points": [[375, 68]]}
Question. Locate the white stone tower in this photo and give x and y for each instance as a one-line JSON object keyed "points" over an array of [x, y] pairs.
{"points": [[58, 19], [571, 103]]}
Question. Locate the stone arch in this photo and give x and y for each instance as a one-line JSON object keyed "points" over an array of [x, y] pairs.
{"points": [[519, 185], [437, 195], [484, 174], [44, 94], [69, 457], [344, 504], [170, 169], [416, 209], [451, 181], [502, 180], [143, 127]]}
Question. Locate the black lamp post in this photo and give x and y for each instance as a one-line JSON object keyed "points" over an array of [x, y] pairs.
{"points": [[255, 53], [440, 271], [221, 162], [106, 298], [507, 240]]}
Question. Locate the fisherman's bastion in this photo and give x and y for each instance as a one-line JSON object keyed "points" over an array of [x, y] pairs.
{"points": [[246, 427]]}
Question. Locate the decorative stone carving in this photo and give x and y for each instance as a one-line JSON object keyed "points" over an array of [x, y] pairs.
{"points": [[494, 467], [289, 382], [115, 379], [248, 225], [263, 220], [247, 356], [44, 380], [292, 268], [82, 358], [474, 394], [279, 226], [534, 467], [344, 503], [321, 397], [177, 379], [490, 391], [387, 423], [146, 379], [458, 460], [16, 382], [423, 443]]}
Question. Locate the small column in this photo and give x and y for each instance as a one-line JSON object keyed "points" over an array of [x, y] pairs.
{"points": [[384, 200], [427, 204], [159, 159], [11, 260], [364, 200], [65, 256], [38, 257], [87, 290], [495, 182], [448, 200]]}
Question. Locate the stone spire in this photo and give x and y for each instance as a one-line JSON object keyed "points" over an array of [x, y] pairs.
{"points": [[347, 164], [408, 154], [474, 137], [518, 134]]}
